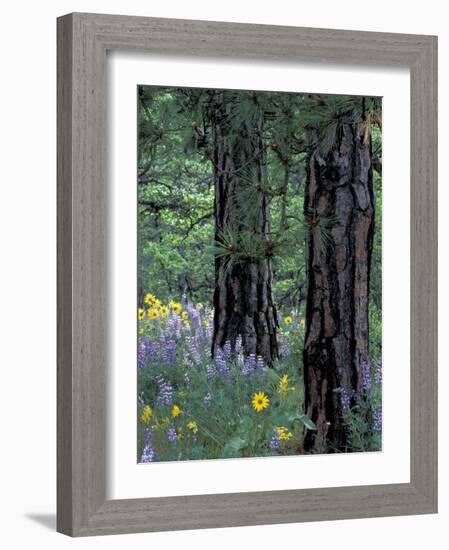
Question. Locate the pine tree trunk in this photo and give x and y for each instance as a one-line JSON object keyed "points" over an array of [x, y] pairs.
{"points": [[339, 208], [243, 299]]}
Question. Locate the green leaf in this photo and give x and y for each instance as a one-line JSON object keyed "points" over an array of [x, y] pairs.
{"points": [[306, 421], [233, 447]]}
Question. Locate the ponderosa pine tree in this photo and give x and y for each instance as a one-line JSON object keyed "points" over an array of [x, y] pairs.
{"points": [[243, 300], [339, 210]]}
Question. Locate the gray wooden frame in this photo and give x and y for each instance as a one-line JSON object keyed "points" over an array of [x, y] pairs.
{"points": [[83, 40]]}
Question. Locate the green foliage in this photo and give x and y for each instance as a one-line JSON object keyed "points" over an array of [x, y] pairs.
{"points": [[360, 422], [176, 195]]}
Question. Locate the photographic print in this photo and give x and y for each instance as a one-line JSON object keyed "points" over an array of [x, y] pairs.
{"points": [[259, 307]]}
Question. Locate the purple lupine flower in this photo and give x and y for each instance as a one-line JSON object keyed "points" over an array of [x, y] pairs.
{"points": [[227, 350], [147, 350], [378, 372], [377, 420], [207, 399], [141, 355], [346, 395], [240, 361], [163, 350], [199, 337], [171, 351], [195, 317], [151, 349], [250, 364], [148, 453], [274, 443], [165, 395], [209, 329], [167, 349], [148, 434], [186, 378], [365, 371], [171, 325], [285, 349], [220, 363], [260, 363], [172, 435], [238, 344], [193, 350], [210, 371]]}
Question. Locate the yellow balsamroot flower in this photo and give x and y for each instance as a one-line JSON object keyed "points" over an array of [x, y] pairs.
{"points": [[193, 426], [146, 415], [153, 313], [140, 313], [157, 303], [302, 323], [288, 320], [163, 311], [149, 298], [175, 307], [283, 433], [260, 401], [184, 315], [199, 306], [186, 324], [175, 411]]}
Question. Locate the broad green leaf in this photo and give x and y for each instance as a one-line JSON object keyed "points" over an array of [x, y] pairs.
{"points": [[306, 421], [233, 447]]}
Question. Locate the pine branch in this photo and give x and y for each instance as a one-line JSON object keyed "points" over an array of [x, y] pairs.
{"points": [[195, 223]]}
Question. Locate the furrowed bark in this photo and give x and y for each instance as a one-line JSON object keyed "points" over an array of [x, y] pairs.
{"points": [[339, 208], [243, 300]]}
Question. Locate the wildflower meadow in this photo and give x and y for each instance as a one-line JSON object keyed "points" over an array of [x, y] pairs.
{"points": [[192, 406]]}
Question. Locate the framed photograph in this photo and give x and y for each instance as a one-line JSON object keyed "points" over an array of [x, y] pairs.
{"points": [[247, 274]]}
